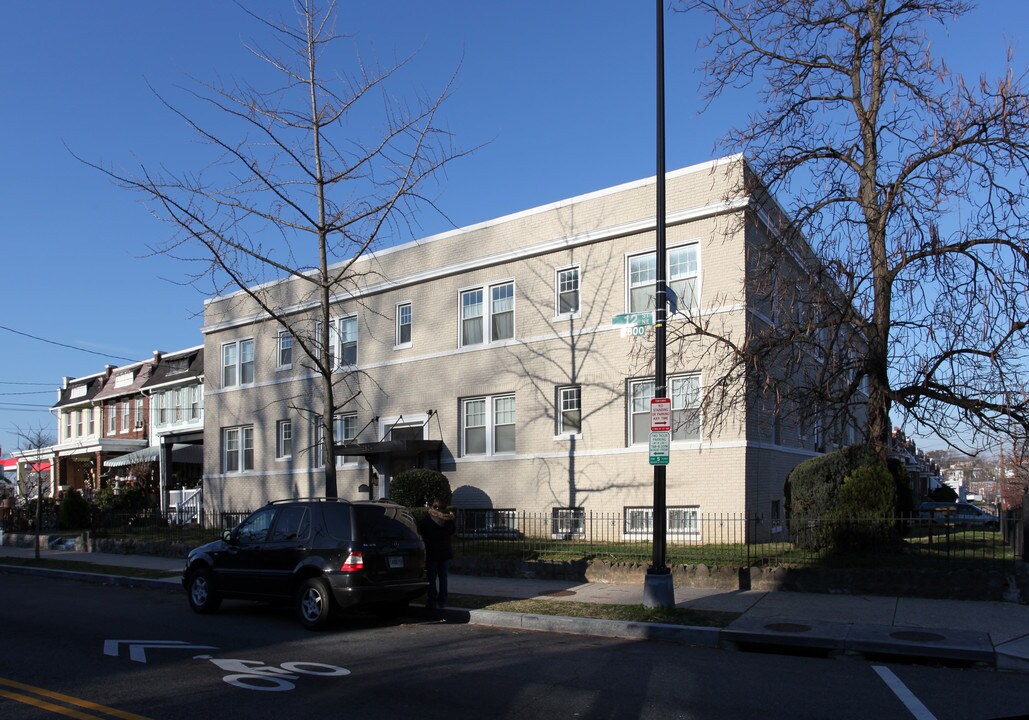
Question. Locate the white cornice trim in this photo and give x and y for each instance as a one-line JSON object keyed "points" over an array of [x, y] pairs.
{"points": [[564, 243]]}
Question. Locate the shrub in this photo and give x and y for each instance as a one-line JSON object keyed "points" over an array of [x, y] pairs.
{"points": [[73, 512], [414, 487], [864, 515], [815, 498]]}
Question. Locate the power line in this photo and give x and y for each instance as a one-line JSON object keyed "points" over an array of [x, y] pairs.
{"points": [[13, 382], [65, 345], [31, 392]]}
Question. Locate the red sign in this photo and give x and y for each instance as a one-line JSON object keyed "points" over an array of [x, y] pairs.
{"points": [[660, 414]]}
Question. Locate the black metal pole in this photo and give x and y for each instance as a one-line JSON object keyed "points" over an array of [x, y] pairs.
{"points": [[658, 590]]}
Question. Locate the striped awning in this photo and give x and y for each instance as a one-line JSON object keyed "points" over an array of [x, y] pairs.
{"points": [[181, 453]]}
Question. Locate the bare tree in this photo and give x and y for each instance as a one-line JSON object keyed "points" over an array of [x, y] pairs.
{"points": [[32, 442], [911, 187], [297, 193]]}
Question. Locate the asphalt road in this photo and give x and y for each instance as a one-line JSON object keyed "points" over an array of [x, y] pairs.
{"points": [[70, 649]]}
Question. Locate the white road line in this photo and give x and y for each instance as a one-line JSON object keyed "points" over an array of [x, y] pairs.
{"points": [[913, 704]]}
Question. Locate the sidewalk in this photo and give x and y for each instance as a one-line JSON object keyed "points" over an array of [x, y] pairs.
{"points": [[995, 634]]}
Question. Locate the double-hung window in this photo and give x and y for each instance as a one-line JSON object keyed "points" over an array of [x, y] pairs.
{"points": [[342, 341], [471, 317], [344, 431], [238, 363], [112, 418], [502, 312], [681, 278], [567, 289], [685, 395], [67, 426], [238, 449], [196, 401], [488, 425], [138, 413], [284, 439], [124, 415], [569, 406], [491, 307], [90, 420], [78, 422], [285, 353], [403, 338]]}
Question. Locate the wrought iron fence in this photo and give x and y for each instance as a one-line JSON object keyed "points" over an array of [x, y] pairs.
{"points": [[729, 540], [713, 540]]}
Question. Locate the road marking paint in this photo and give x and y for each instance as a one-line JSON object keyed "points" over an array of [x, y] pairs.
{"points": [[913, 704], [68, 699]]}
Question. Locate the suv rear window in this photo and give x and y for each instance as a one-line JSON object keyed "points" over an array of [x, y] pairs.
{"points": [[337, 520], [379, 521]]}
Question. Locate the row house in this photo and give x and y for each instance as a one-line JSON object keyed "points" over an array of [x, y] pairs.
{"points": [[145, 417], [490, 352]]}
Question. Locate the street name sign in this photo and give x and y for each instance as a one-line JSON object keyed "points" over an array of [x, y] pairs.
{"points": [[634, 323]]}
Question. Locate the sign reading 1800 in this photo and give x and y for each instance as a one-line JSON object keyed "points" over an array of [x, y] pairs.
{"points": [[634, 323]]}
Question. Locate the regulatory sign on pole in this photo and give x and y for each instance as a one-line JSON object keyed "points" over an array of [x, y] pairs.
{"points": [[660, 414], [660, 446]]}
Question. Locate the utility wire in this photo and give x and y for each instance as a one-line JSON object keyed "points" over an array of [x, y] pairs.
{"points": [[65, 345]]}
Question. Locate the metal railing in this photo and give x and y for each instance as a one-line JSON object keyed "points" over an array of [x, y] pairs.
{"points": [[732, 540], [713, 540]]}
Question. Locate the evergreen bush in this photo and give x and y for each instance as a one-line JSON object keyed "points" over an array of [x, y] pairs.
{"points": [[73, 512], [416, 486]]}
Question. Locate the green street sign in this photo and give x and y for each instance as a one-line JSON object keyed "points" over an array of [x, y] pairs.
{"points": [[660, 447], [634, 323]]}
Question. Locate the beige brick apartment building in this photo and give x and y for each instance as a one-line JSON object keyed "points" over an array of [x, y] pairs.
{"points": [[490, 352]]}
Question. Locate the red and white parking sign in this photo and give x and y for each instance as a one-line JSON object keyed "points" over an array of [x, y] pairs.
{"points": [[660, 414]]}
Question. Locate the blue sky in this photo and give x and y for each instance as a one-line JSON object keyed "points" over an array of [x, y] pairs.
{"points": [[561, 90]]}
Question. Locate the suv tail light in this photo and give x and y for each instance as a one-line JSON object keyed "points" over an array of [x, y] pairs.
{"points": [[353, 563]]}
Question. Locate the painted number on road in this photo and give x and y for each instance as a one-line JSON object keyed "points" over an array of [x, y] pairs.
{"points": [[255, 675]]}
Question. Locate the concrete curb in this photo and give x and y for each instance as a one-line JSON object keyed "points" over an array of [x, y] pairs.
{"points": [[97, 578], [685, 634]]}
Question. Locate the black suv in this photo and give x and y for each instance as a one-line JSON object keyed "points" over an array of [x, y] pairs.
{"points": [[325, 555]]}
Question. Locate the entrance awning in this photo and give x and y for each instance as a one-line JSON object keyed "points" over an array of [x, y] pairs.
{"points": [[390, 447], [181, 453]]}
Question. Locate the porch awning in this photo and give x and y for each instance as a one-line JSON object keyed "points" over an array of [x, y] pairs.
{"points": [[181, 453]]}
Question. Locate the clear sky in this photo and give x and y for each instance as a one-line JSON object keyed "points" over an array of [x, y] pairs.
{"points": [[562, 90]]}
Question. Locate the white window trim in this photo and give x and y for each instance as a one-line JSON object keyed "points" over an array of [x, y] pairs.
{"points": [[397, 345], [574, 315], [487, 314], [559, 411], [668, 277], [241, 450], [336, 340], [649, 510], [278, 350], [490, 425], [279, 426], [238, 364], [668, 382]]}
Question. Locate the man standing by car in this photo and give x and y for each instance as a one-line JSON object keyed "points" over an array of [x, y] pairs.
{"points": [[436, 528]]}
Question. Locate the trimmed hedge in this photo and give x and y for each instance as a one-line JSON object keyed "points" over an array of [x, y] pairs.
{"points": [[841, 486], [415, 487]]}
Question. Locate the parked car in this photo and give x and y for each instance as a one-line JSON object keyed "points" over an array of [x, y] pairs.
{"points": [[958, 514], [323, 555]]}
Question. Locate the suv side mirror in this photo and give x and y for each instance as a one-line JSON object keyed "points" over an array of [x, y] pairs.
{"points": [[229, 536]]}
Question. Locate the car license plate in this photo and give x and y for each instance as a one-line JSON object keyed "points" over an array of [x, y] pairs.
{"points": [[396, 562]]}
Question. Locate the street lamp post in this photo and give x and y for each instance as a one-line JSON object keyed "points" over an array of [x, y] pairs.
{"points": [[658, 590]]}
